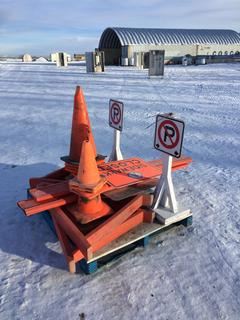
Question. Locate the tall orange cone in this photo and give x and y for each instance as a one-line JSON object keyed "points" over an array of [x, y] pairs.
{"points": [[80, 121], [87, 186]]}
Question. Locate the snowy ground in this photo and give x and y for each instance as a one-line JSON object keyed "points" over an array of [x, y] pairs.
{"points": [[185, 273]]}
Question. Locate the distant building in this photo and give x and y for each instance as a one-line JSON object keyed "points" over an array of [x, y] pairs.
{"points": [[122, 43], [54, 56], [79, 56], [27, 58]]}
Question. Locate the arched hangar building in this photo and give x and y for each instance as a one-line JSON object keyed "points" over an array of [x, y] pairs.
{"points": [[120, 43]]}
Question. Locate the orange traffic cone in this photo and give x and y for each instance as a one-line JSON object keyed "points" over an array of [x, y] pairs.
{"points": [[79, 122], [88, 177], [87, 186]]}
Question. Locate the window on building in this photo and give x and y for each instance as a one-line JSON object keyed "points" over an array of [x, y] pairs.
{"points": [[214, 53], [226, 53], [231, 52], [220, 53], [237, 52]]}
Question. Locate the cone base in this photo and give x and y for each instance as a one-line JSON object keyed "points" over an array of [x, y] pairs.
{"points": [[84, 218], [80, 188]]}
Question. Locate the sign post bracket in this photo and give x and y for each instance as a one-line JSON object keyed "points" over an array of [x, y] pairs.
{"points": [[164, 202], [116, 153], [164, 193]]}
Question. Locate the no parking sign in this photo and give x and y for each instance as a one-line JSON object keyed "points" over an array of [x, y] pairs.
{"points": [[169, 135], [116, 114]]}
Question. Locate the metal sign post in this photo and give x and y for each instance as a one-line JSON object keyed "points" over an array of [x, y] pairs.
{"points": [[116, 153], [116, 122], [168, 139]]}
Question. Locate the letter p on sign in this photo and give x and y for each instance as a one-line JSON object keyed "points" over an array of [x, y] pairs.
{"points": [[169, 135]]}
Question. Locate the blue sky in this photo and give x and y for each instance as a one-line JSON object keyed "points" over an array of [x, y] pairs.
{"points": [[44, 26]]}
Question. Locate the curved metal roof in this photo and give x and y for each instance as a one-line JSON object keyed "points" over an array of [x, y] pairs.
{"points": [[117, 37]]}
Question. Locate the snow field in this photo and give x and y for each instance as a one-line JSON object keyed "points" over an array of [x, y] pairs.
{"points": [[188, 273]]}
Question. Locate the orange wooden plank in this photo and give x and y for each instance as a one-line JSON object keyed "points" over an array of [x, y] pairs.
{"points": [[129, 224], [53, 191], [115, 220], [31, 207], [66, 247], [147, 200], [77, 255], [177, 163], [46, 193], [149, 215], [72, 232], [137, 218]]}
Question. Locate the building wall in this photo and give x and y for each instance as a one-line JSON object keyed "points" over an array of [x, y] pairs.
{"points": [[172, 51], [216, 49]]}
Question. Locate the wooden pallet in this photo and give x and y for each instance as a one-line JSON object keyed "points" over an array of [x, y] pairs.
{"points": [[139, 236]]}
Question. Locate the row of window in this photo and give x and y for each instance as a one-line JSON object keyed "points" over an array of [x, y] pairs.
{"points": [[225, 53]]}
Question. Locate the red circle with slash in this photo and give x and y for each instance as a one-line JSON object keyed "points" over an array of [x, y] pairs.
{"points": [[170, 133], [116, 113]]}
